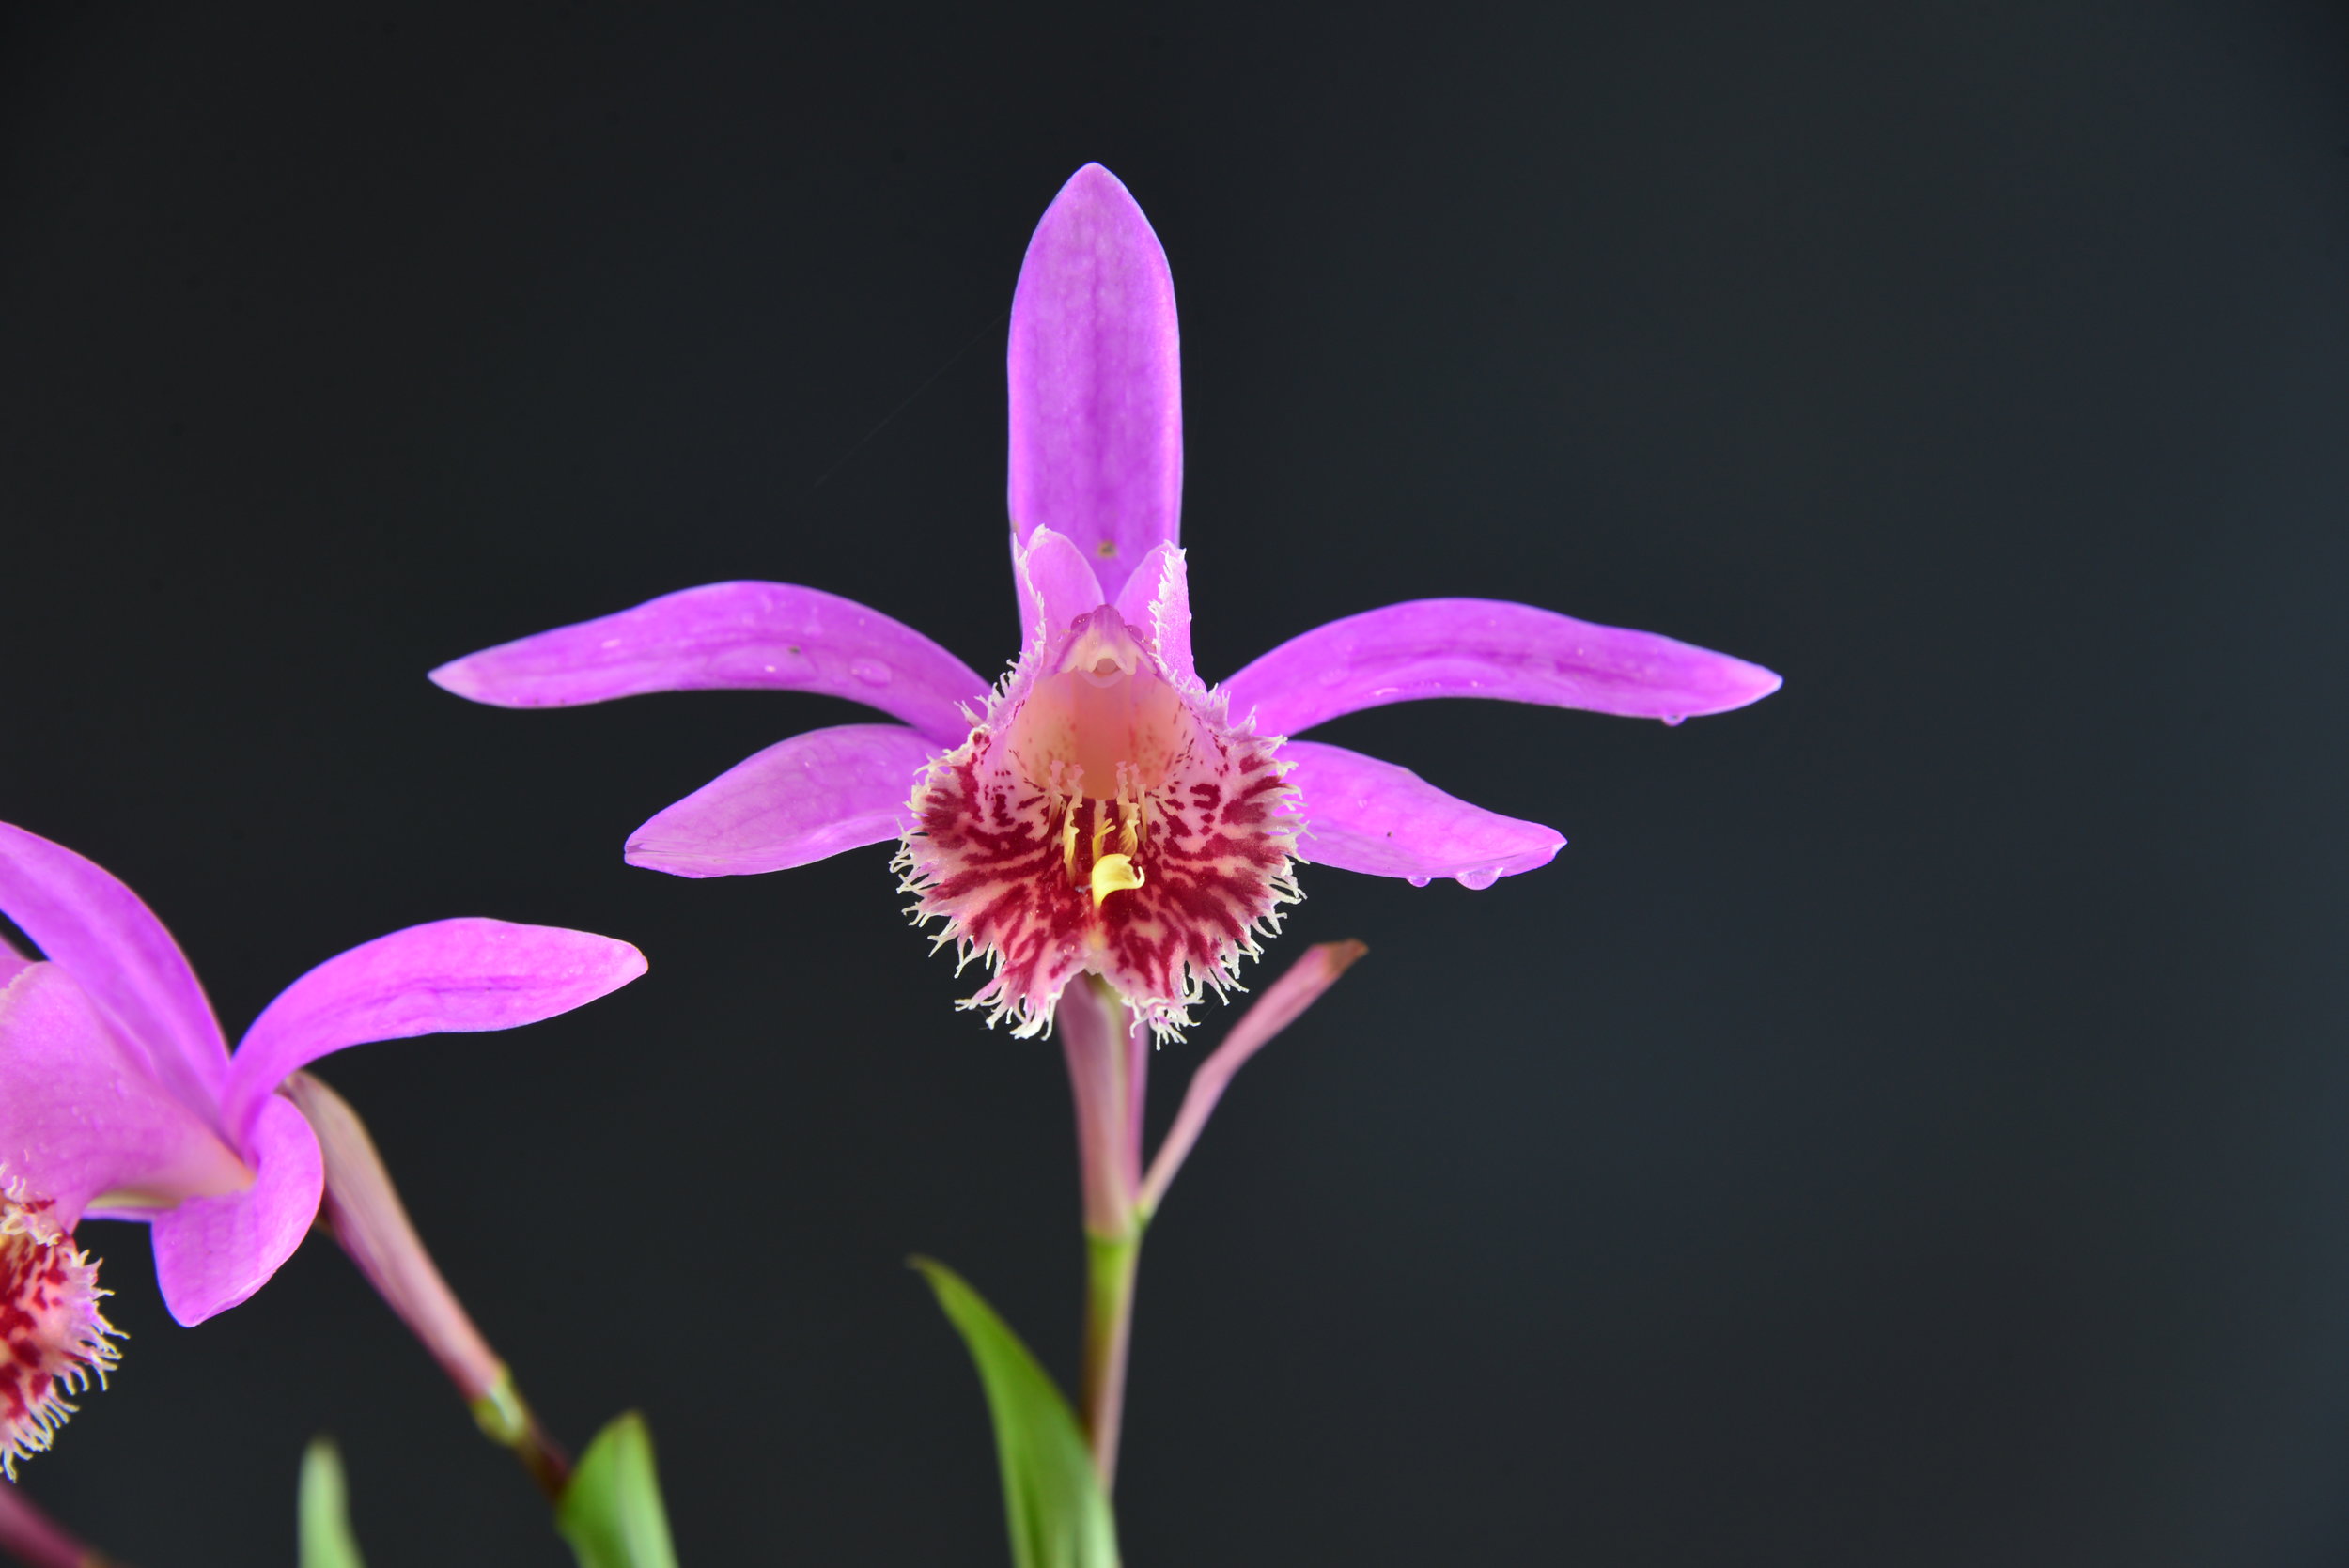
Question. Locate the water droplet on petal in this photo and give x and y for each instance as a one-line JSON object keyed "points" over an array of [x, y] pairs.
{"points": [[872, 671], [1480, 879], [1416, 881], [1676, 720]]}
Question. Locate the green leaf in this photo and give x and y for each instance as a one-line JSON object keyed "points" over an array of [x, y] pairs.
{"points": [[611, 1513], [1058, 1515], [323, 1513]]}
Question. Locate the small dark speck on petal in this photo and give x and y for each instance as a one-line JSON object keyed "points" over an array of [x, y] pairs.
{"points": [[1106, 548]]}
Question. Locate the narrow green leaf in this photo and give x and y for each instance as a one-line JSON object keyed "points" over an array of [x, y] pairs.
{"points": [[322, 1515], [1059, 1516], [611, 1513]]}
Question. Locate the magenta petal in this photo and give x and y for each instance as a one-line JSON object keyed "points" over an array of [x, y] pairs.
{"points": [[82, 1117], [452, 976], [1097, 416], [1155, 601], [1482, 647], [809, 797], [12, 961], [766, 636], [211, 1253], [1056, 581], [96, 930], [1371, 817]]}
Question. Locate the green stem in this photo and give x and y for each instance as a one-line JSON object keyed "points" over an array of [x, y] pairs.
{"points": [[506, 1420], [1110, 1265]]}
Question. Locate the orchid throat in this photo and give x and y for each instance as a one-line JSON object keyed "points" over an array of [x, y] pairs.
{"points": [[1103, 817]]}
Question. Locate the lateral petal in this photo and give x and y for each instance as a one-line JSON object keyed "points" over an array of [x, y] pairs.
{"points": [[1156, 602], [1096, 406], [810, 796], [211, 1253], [451, 976], [1482, 647], [1056, 583], [95, 928], [83, 1117], [763, 636], [1384, 820]]}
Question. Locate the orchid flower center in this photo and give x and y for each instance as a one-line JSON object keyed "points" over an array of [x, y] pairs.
{"points": [[53, 1338], [1105, 725], [1105, 818], [1100, 737]]}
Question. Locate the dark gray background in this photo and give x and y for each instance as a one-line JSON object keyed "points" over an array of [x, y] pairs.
{"points": [[1909, 1124]]}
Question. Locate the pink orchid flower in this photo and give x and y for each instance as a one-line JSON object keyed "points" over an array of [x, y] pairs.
{"points": [[1101, 809], [119, 1098]]}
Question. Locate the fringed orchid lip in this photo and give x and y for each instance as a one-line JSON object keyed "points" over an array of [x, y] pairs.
{"points": [[54, 1341], [1104, 816]]}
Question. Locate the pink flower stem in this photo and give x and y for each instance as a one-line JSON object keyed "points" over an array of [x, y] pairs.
{"points": [[364, 1214], [36, 1541], [1109, 1059], [1104, 1079], [1108, 1051]]}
